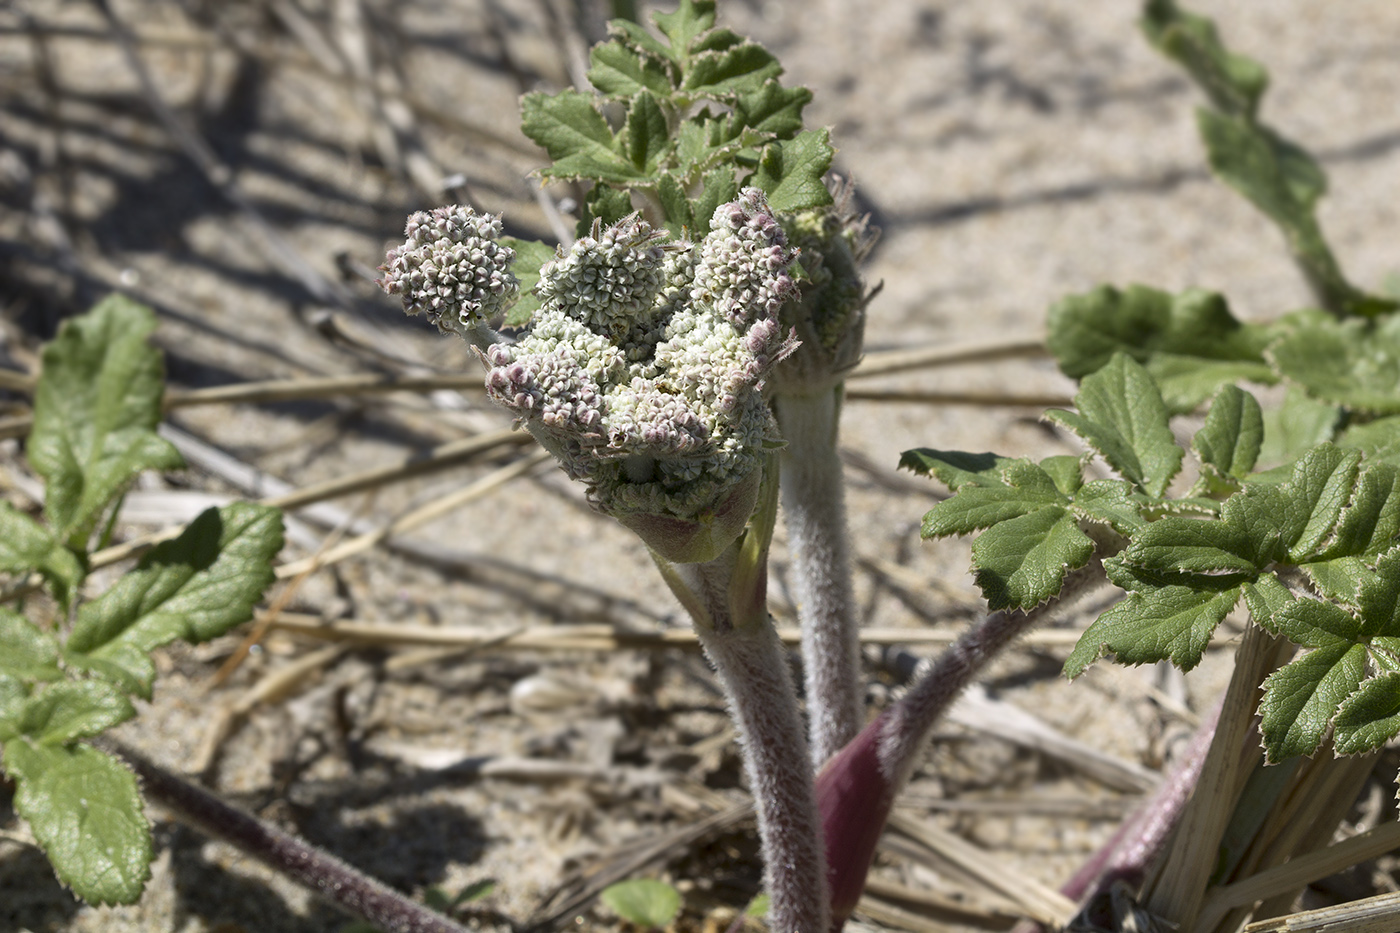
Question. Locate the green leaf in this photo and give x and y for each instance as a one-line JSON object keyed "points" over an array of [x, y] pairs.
{"points": [[1067, 472], [772, 109], [723, 74], [1378, 598], [691, 19], [680, 219], [1021, 562], [1338, 579], [1296, 427], [1283, 182], [956, 468], [26, 652], [643, 901], [1160, 623], [26, 545], [1301, 698], [1187, 381], [530, 257], [96, 408], [1314, 623], [85, 812], [127, 665], [1229, 441], [1318, 491], [720, 188], [195, 587], [645, 132], [1264, 597], [1122, 417], [1355, 363], [569, 127], [790, 172], [636, 37], [603, 204], [1177, 544], [1370, 717], [1378, 441], [1027, 488], [1194, 329], [1111, 502], [619, 72], [70, 710], [1233, 82]]}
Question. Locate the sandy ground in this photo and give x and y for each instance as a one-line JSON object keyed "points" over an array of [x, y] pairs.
{"points": [[1012, 153]]}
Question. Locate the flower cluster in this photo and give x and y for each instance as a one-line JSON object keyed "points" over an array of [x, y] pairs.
{"points": [[643, 372], [451, 268], [829, 315]]}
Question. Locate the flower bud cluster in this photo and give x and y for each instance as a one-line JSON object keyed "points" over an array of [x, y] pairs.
{"points": [[829, 314], [451, 268], [644, 366]]}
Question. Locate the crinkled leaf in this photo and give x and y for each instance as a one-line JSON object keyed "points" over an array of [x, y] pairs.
{"points": [[1299, 425], [1354, 363], [1378, 441], [1338, 579], [636, 37], [1301, 697], [127, 665], [26, 545], [1318, 490], [13, 694], [1314, 623], [790, 172], [1027, 488], [1085, 331], [773, 109], [195, 587], [530, 257], [1378, 597], [724, 73], [1233, 82], [85, 811], [1122, 417], [644, 901], [720, 188], [692, 19], [569, 127], [1177, 544], [1066, 471], [1187, 381], [26, 652], [1370, 717], [956, 468], [1264, 597], [645, 132], [1229, 440], [73, 709], [96, 408], [1161, 623], [1371, 519], [604, 204], [680, 218], [1021, 562], [620, 72], [1111, 502]]}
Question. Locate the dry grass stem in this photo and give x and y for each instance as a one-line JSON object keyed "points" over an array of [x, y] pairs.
{"points": [[895, 361], [983, 399]]}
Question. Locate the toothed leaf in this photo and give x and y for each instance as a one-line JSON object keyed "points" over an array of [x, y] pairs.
{"points": [[1301, 697], [1021, 562], [85, 811], [1122, 417], [1370, 717], [96, 408]]}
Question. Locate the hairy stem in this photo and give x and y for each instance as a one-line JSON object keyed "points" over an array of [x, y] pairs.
{"points": [[857, 787], [752, 664], [815, 512], [304, 863]]}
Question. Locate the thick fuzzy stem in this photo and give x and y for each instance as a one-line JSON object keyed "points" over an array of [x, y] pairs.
{"points": [[857, 787], [753, 669], [815, 512], [297, 859]]}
